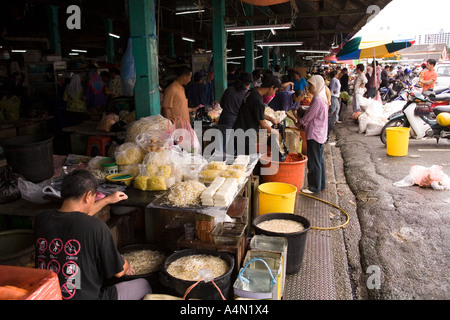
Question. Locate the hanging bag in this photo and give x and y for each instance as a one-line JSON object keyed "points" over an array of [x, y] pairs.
{"points": [[128, 71], [282, 152]]}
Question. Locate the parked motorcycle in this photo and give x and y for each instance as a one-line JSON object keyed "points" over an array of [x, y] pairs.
{"points": [[417, 115], [390, 92], [397, 90]]}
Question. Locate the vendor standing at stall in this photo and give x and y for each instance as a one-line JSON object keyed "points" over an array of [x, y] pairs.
{"points": [[80, 247], [287, 101], [251, 116], [230, 103], [175, 105], [315, 123]]}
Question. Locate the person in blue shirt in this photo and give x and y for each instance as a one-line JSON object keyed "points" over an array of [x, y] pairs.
{"points": [[299, 82], [287, 101]]}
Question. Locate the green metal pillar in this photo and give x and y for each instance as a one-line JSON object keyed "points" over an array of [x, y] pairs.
{"points": [[249, 41], [109, 40], [219, 48], [171, 45], [53, 26], [265, 58], [145, 52], [275, 52]]}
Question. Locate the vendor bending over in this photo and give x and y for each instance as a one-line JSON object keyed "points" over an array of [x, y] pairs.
{"points": [[80, 247]]}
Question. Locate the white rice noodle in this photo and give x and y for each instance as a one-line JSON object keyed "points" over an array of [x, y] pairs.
{"points": [[145, 261], [281, 226], [187, 268]]}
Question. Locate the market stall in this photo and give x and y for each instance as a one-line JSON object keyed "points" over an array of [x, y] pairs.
{"points": [[184, 202]]}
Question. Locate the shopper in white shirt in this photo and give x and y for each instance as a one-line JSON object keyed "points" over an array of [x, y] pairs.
{"points": [[359, 88], [335, 88]]}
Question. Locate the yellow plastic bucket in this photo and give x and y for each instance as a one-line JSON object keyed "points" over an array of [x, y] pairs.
{"points": [[276, 197], [397, 140]]}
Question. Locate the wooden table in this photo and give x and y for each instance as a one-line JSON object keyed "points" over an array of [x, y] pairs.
{"points": [[80, 133], [23, 126]]}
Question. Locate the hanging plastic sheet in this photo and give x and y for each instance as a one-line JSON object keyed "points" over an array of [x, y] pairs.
{"points": [[128, 70]]}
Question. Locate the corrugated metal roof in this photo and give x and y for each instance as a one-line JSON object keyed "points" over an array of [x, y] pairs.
{"points": [[318, 23]]}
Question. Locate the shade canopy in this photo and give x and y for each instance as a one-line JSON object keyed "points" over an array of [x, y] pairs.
{"points": [[367, 47]]}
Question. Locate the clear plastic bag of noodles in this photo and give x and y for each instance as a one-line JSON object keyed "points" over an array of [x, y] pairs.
{"points": [[208, 175], [132, 169], [128, 153], [160, 164], [140, 182], [150, 183], [154, 141], [156, 183], [147, 124]]}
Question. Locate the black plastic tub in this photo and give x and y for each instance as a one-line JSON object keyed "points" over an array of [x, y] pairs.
{"points": [[204, 291], [296, 240], [30, 155], [151, 277]]}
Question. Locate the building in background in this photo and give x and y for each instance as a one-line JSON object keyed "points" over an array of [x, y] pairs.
{"points": [[423, 52], [434, 38]]}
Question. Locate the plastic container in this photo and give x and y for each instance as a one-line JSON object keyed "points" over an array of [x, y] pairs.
{"points": [[17, 247], [189, 231], [255, 284], [228, 233], [276, 197], [37, 283], [274, 260], [151, 277], [397, 141], [120, 177], [203, 290], [272, 244], [107, 162], [30, 155], [296, 240], [291, 171]]}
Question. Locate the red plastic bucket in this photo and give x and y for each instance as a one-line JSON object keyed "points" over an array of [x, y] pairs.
{"points": [[291, 171]]}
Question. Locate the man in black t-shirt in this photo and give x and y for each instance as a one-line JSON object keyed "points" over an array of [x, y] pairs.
{"points": [[80, 247], [251, 116]]}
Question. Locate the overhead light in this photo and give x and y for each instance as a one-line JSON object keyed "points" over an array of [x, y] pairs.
{"points": [[19, 51], [73, 53], [188, 39], [239, 57], [259, 28], [233, 62], [280, 44], [114, 35], [312, 51], [238, 34], [77, 50], [189, 12]]}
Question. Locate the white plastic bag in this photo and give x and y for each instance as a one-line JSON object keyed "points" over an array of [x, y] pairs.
{"points": [[128, 71], [433, 177], [33, 192]]}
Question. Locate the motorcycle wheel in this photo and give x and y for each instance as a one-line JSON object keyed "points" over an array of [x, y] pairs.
{"points": [[397, 122]]}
